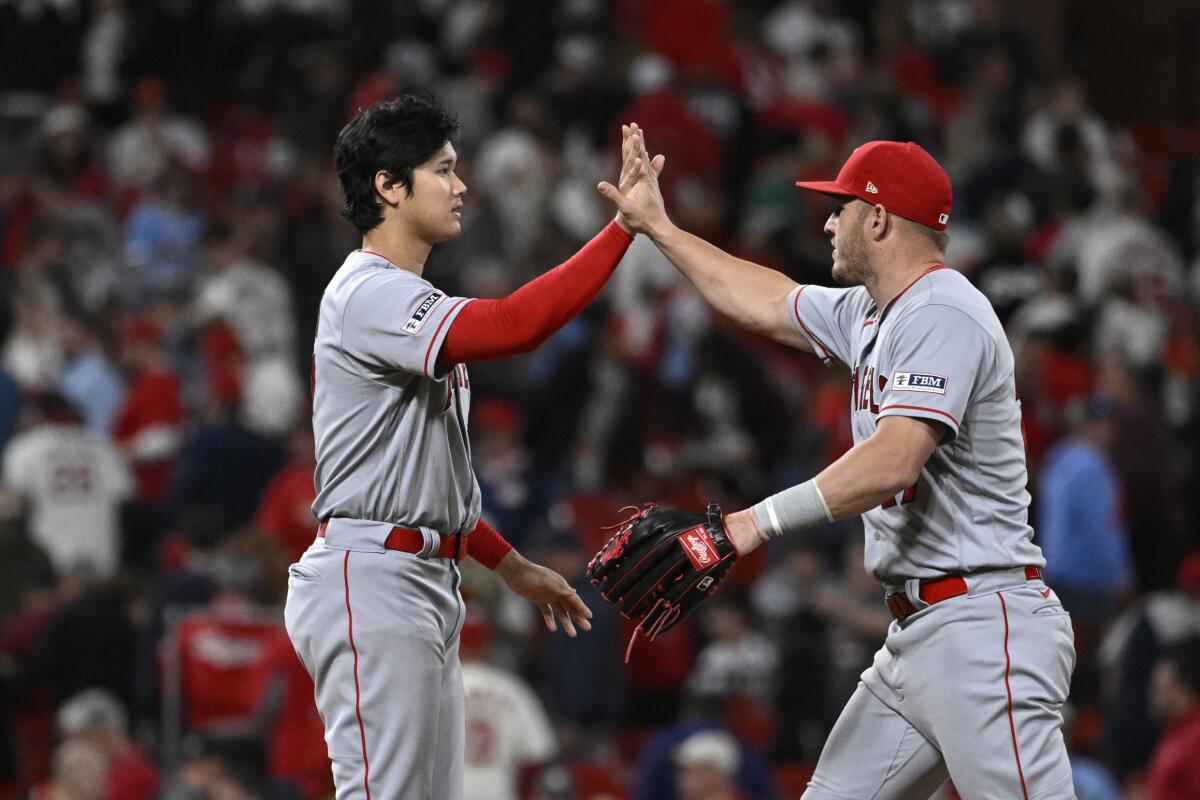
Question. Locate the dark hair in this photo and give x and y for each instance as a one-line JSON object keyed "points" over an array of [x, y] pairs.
{"points": [[1185, 658], [394, 136]]}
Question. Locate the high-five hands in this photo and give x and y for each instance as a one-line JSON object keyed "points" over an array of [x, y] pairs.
{"points": [[637, 196]]}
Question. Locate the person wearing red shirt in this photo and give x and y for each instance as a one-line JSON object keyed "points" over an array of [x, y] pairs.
{"points": [[149, 426], [149, 430], [285, 513], [1175, 691]]}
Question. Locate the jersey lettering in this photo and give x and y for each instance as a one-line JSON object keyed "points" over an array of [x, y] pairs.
{"points": [[863, 397], [909, 495]]}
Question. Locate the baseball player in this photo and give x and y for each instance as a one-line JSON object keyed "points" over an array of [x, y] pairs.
{"points": [[976, 665], [373, 606]]}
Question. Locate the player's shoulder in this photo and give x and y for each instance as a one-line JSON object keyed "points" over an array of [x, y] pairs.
{"points": [[363, 271], [945, 293], [854, 301]]}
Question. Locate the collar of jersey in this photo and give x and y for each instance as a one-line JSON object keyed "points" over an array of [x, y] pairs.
{"points": [[878, 315]]}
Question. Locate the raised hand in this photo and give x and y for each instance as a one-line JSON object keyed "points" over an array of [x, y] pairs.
{"points": [[637, 196]]}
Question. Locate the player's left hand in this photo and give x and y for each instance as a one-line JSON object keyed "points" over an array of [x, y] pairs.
{"points": [[550, 592]]}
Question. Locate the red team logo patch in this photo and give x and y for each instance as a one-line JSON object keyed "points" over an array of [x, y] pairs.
{"points": [[699, 547]]}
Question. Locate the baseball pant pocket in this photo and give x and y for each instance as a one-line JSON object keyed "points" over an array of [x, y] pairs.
{"points": [[304, 572]]}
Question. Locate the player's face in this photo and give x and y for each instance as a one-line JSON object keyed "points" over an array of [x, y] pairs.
{"points": [[435, 208], [845, 227]]}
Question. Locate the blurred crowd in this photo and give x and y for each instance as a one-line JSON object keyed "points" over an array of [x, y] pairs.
{"points": [[168, 222]]}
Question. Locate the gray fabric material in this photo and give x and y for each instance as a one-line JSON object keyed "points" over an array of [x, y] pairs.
{"points": [[937, 352], [406, 615], [938, 697], [794, 509], [389, 442]]}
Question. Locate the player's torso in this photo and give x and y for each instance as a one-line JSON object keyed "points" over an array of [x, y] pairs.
{"points": [[969, 508], [391, 444]]}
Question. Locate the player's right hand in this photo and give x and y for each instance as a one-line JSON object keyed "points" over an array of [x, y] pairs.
{"points": [[549, 591], [637, 197]]}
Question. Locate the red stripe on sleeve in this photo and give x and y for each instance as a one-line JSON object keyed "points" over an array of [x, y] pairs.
{"points": [[811, 335], [433, 341], [922, 408]]}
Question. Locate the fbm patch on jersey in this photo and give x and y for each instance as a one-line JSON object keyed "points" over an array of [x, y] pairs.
{"points": [[918, 382], [417, 320]]}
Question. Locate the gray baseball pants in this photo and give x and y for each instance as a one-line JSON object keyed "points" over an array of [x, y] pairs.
{"points": [[378, 632], [970, 688]]}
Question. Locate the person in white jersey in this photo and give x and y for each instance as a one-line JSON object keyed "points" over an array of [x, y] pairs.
{"points": [[373, 607], [971, 679]]}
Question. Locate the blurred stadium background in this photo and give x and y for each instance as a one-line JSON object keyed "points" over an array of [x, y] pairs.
{"points": [[168, 221]]}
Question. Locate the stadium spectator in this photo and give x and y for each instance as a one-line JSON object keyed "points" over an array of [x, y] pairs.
{"points": [[1079, 526], [96, 716], [76, 481], [738, 661], [1128, 654], [286, 509], [706, 767], [89, 378], [508, 731], [587, 720], [1174, 770], [79, 772]]}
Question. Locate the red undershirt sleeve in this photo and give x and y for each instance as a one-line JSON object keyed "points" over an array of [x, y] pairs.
{"points": [[490, 329], [487, 546]]}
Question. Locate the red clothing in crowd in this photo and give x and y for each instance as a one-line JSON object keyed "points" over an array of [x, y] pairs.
{"points": [[286, 510], [133, 777], [1175, 769], [151, 422], [691, 149]]}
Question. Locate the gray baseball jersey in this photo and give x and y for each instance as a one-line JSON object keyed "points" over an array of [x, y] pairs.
{"points": [[937, 351], [971, 687], [378, 629], [390, 449]]}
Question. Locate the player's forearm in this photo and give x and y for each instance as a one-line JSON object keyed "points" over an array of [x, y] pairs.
{"points": [[490, 329], [748, 293], [867, 475]]}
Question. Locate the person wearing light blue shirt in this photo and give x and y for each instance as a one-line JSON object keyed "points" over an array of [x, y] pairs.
{"points": [[1080, 529], [90, 381]]}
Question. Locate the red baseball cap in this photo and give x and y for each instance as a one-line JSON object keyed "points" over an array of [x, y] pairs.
{"points": [[900, 176]]}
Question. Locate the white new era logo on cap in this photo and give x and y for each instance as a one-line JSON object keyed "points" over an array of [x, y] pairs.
{"points": [[943, 219], [872, 188]]}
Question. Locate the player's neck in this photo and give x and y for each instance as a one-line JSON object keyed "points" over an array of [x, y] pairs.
{"points": [[889, 283], [398, 246]]}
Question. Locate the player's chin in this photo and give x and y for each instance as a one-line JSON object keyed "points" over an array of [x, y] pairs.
{"points": [[449, 231], [838, 272], [844, 276]]}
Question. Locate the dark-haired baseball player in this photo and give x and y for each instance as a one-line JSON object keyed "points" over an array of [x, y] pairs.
{"points": [[373, 606], [971, 679]]}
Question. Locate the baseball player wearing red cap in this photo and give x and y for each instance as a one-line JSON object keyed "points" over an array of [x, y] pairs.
{"points": [[373, 607], [971, 679]]}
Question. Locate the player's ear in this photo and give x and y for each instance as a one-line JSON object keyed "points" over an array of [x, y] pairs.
{"points": [[881, 222], [391, 190]]}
